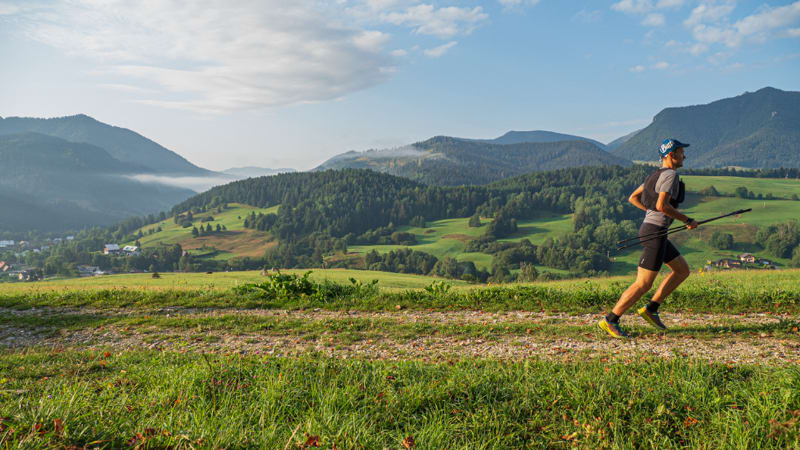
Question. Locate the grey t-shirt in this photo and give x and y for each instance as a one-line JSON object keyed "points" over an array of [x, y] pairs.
{"points": [[668, 181]]}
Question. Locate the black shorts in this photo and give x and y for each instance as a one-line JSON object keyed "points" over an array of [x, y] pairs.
{"points": [[656, 251]]}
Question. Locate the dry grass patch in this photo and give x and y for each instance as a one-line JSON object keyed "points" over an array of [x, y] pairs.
{"points": [[240, 243]]}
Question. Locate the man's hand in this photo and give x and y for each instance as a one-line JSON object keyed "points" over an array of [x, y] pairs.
{"points": [[691, 224]]}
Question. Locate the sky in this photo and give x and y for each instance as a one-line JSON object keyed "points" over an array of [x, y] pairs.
{"points": [[276, 83]]}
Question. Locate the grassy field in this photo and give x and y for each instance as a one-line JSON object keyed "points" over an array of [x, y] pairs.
{"points": [[222, 365], [778, 187], [216, 281], [755, 290], [447, 238], [236, 241]]}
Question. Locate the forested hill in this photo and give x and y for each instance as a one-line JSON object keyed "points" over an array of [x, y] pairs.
{"points": [[34, 152], [321, 213], [756, 130], [51, 184], [121, 143], [357, 200], [452, 161]]}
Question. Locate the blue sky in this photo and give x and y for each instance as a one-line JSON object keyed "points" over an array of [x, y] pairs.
{"points": [[273, 83]]}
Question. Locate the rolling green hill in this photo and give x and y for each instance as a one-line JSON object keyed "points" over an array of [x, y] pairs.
{"points": [[757, 130], [777, 187]]}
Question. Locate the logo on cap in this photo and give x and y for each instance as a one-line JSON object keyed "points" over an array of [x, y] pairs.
{"points": [[669, 145]]}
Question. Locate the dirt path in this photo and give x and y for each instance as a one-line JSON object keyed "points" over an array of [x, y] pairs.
{"points": [[754, 343]]}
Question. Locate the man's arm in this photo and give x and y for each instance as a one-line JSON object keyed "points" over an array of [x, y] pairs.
{"points": [[663, 206], [636, 198]]}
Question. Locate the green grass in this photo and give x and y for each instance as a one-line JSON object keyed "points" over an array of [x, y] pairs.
{"points": [[215, 281], [117, 399], [447, 238], [540, 229], [172, 233], [765, 212], [440, 238], [778, 187], [734, 291]]}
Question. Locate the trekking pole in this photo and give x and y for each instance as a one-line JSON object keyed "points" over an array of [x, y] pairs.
{"points": [[657, 235]]}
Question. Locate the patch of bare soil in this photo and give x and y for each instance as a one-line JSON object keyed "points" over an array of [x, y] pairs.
{"points": [[752, 346], [240, 243]]}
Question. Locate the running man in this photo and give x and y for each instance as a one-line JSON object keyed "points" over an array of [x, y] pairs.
{"points": [[659, 197]]}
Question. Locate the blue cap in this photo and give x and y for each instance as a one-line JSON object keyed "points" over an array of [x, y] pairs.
{"points": [[669, 145]]}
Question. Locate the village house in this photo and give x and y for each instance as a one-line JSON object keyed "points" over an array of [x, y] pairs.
{"points": [[111, 249], [729, 263], [28, 275], [89, 271], [131, 250], [747, 258], [6, 243]]}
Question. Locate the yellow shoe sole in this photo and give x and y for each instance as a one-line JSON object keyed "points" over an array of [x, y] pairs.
{"points": [[604, 326], [643, 312]]}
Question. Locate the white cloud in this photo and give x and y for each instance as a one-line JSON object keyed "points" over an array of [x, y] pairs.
{"points": [[698, 49], [653, 20], [218, 56], [637, 69], [706, 34], [443, 22], [440, 50], [670, 3], [709, 12], [644, 6], [709, 23], [517, 3], [633, 6], [793, 32], [399, 52], [661, 65], [371, 41], [769, 19], [587, 16]]}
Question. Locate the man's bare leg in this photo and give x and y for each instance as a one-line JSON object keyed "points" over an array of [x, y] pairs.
{"points": [[680, 272], [643, 283]]}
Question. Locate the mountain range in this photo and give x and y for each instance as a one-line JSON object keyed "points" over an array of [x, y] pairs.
{"points": [[450, 161], [74, 171]]}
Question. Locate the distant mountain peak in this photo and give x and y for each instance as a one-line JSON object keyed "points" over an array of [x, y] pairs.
{"points": [[121, 143], [758, 129]]}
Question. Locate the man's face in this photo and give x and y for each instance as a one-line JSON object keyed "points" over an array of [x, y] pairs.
{"points": [[677, 156]]}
